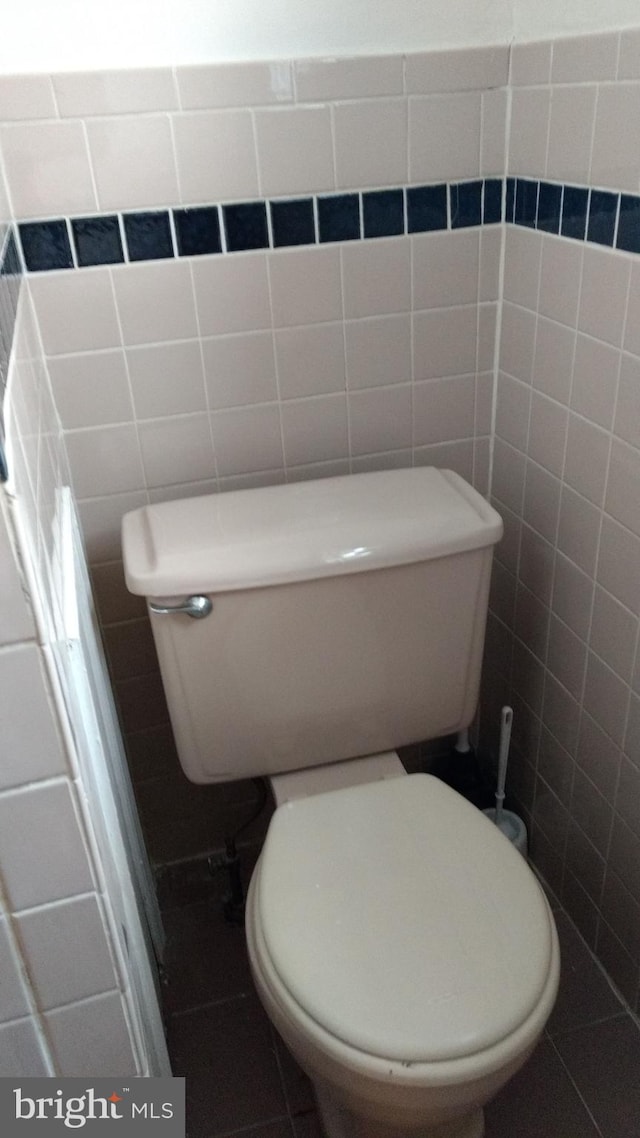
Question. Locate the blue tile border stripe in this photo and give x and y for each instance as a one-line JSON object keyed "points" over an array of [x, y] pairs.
{"points": [[602, 217], [230, 227]]}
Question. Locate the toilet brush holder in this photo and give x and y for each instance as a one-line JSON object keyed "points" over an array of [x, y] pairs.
{"points": [[512, 826], [507, 822]]}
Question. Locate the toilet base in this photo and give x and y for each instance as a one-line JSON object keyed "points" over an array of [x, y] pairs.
{"points": [[338, 1122]]}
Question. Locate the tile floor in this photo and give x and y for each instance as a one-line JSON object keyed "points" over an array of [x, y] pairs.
{"points": [[582, 1082]]}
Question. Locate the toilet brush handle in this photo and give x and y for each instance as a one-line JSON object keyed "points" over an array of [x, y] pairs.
{"points": [[506, 720]]}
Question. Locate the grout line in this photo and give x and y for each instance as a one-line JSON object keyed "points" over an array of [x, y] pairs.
{"points": [[575, 1086]]}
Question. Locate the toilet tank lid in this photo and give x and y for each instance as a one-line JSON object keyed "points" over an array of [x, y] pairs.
{"points": [[278, 534]]}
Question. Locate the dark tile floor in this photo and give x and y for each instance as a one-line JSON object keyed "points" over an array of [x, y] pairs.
{"points": [[583, 1081]]}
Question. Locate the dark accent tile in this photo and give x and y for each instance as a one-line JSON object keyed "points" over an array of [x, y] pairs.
{"points": [[629, 224], [526, 202], [293, 223], [465, 200], [97, 240], [510, 206], [585, 996], [197, 231], [539, 1102], [197, 935], [245, 226], [383, 213], [308, 1126], [492, 205], [339, 217], [297, 1086], [426, 208], [549, 207], [148, 236], [226, 1052], [601, 226], [11, 266], [574, 212], [45, 245], [604, 1060]]}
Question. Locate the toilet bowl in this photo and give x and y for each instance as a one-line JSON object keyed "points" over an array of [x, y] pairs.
{"points": [[410, 973], [401, 946]]}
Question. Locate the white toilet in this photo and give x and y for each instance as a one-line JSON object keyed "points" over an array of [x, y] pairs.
{"points": [[400, 945]]}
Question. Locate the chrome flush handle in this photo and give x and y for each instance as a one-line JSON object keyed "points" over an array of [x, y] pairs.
{"points": [[196, 607]]}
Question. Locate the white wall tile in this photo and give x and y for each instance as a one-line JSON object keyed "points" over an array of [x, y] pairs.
{"points": [[377, 277], [585, 467], [14, 1003], [67, 952], [16, 618], [443, 409], [378, 351], [570, 134], [26, 97], [493, 157], [530, 63], [240, 369], [595, 380], [616, 142], [91, 1038], [216, 156], [32, 747], [311, 360], [166, 379], [232, 293], [359, 164], [209, 86], [76, 311], [248, 439], [444, 137], [445, 268], [315, 430], [581, 59], [155, 302], [629, 60], [176, 449], [295, 150], [42, 851], [380, 419], [81, 94], [47, 169], [123, 181], [21, 1050], [105, 460], [529, 131], [91, 389], [306, 286], [622, 500], [605, 281], [490, 261], [466, 69], [348, 78], [445, 342]]}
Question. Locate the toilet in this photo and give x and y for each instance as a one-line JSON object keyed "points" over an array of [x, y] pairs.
{"points": [[400, 945]]}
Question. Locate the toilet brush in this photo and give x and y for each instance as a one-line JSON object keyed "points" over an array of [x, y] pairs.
{"points": [[507, 822]]}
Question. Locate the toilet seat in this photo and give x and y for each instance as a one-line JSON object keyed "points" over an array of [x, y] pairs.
{"points": [[427, 967]]}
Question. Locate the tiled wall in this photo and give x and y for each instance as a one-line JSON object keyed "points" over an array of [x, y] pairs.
{"points": [[62, 996], [206, 370], [192, 370], [563, 642]]}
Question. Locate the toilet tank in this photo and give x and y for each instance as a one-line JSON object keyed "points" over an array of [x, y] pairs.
{"points": [[348, 616]]}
